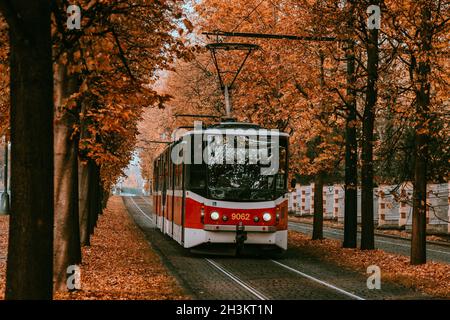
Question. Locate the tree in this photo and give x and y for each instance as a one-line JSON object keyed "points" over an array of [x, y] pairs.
{"points": [[351, 143], [367, 227], [30, 250], [421, 69], [422, 41], [67, 233]]}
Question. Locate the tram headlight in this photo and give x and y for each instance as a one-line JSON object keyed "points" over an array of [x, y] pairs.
{"points": [[267, 216], [214, 215]]}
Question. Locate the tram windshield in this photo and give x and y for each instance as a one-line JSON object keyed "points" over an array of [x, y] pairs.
{"points": [[245, 169]]}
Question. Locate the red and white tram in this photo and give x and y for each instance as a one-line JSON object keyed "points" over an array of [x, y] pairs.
{"points": [[215, 202]]}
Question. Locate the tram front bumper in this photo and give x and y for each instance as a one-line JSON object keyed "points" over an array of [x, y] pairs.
{"points": [[227, 234], [232, 228]]}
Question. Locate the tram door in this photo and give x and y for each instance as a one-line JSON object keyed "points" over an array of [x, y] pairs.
{"points": [[171, 193], [158, 186], [173, 175], [183, 202]]}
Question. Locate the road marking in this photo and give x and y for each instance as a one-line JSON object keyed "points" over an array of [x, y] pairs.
{"points": [[252, 290], [132, 200], [326, 284], [299, 226]]}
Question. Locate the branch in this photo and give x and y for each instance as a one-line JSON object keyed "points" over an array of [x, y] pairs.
{"points": [[122, 54]]}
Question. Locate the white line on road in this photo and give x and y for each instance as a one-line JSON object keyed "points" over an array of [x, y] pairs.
{"points": [[326, 284], [253, 291], [376, 240], [132, 200]]}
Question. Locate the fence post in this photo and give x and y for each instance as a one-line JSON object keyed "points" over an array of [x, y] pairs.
{"points": [[336, 202], [302, 200], [381, 206]]}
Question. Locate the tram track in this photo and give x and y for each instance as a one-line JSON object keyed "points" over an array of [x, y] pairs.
{"points": [[294, 277], [236, 279]]}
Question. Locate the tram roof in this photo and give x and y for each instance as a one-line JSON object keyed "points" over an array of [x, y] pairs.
{"points": [[234, 128], [231, 128]]}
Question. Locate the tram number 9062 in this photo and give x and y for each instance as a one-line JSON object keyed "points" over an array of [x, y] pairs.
{"points": [[240, 216]]}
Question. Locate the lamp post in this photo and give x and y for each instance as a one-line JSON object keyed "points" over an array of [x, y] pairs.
{"points": [[4, 203]]}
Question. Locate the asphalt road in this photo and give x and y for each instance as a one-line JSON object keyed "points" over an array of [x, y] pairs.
{"points": [[295, 276], [399, 246]]}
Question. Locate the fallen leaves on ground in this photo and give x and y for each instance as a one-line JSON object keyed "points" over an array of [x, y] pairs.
{"points": [[120, 263], [432, 278]]}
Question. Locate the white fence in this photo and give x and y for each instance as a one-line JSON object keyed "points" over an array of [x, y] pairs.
{"points": [[392, 204]]}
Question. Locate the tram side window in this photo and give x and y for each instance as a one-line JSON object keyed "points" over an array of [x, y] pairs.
{"points": [[155, 176], [166, 173], [178, 176], [175, 176], [158, 176], [169, 173], [197, 178]]}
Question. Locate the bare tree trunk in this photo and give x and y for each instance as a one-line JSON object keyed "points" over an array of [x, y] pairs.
{"points": [[419, 223], [94, 197], [318, 182], [318, 208], [351, 148], [30, 249], [367, 227], [67, 250], [84, 183]]}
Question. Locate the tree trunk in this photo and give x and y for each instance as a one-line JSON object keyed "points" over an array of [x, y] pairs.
{"points": [[94, 198], [84, 183], [67, 248], [367, 227], [30, 249], [318, 183], [419, 223], [318, 208], [351, 148]]}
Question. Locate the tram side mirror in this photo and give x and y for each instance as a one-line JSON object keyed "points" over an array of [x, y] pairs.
{"points": [[293, 183]]}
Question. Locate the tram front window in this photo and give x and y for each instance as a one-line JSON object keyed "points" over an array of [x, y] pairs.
{"points": [[245, 180]]}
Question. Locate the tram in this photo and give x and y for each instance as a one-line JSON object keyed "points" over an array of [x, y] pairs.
{"points": [[222, 192]]}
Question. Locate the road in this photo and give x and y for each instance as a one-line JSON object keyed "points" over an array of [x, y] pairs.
{"points": [[399, 246], [295, 276]]}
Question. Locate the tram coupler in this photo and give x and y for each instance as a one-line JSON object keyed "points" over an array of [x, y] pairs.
{"points": [[241, 237]]}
